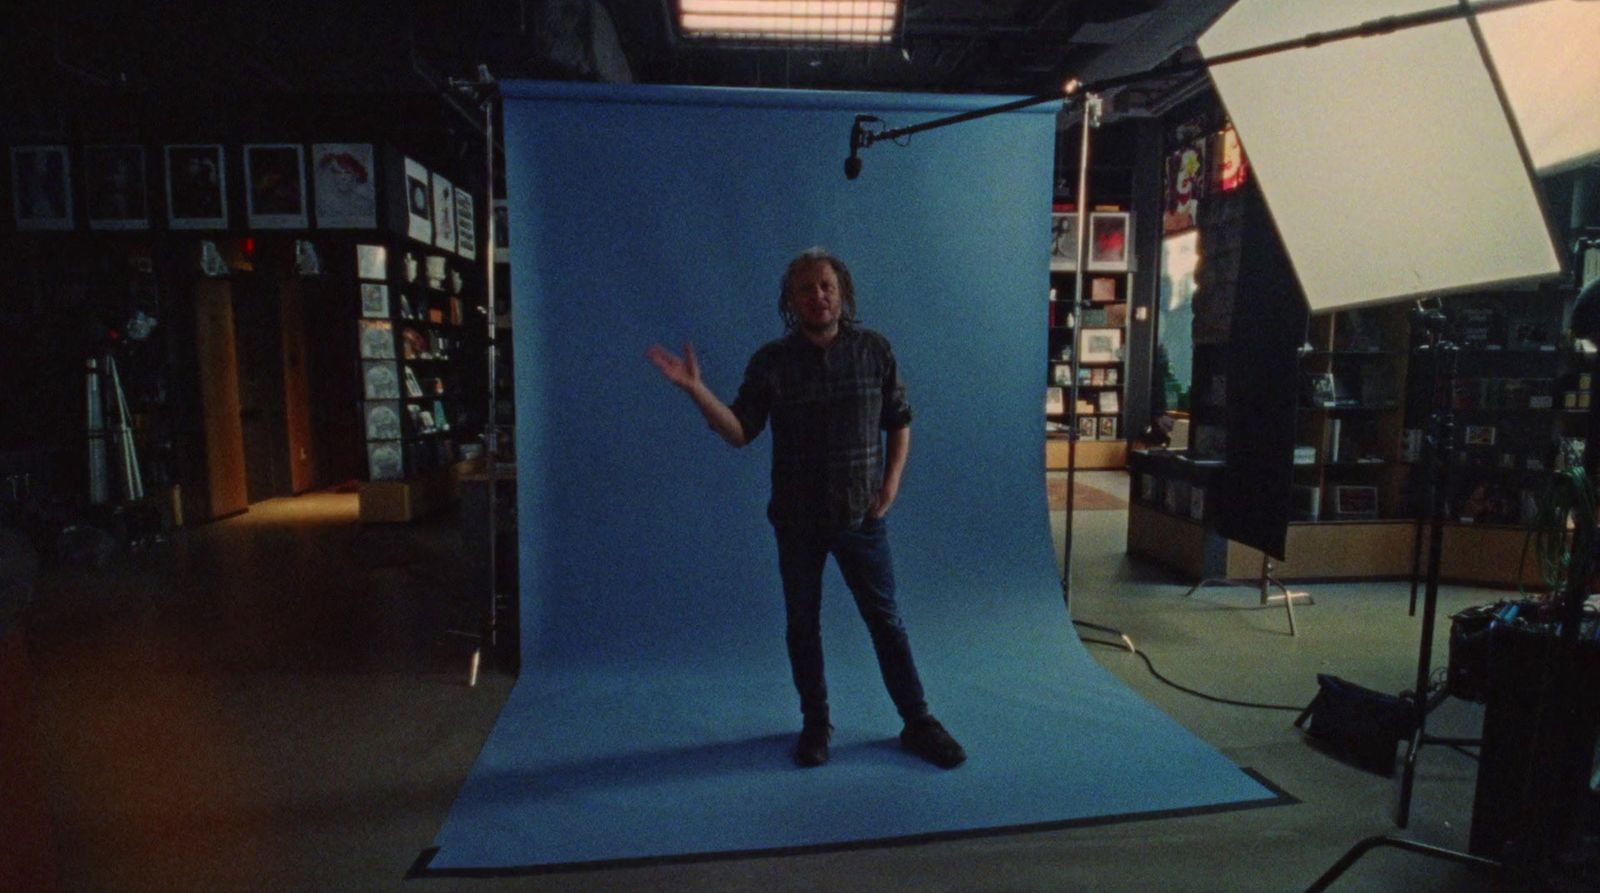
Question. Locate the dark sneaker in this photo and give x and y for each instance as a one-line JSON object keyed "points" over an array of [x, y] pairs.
{"points": [[928, 739], [812, 748]]}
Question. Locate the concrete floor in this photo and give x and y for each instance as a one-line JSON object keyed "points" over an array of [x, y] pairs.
{"points": [[273, 703]]}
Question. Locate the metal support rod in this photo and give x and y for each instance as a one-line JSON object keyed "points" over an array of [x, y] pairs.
{"points": [[491, 449], [95, 425], [1372, 28], [1091, 119], [1371, 843]]}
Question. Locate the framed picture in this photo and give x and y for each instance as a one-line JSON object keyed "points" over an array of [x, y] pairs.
{"points": [[1355, 502], [1100, 345], [1055, 402], [1064, 241], [197, 187], [444, 213], [380, 381], [1110, 241], [1088, 428], [1478, 435], [466, 226], [383, 420], [1107, 402], [374, 300], [419, 203], [1103, 289], [384, 462], [1061, 375], [377, 339], [117, 191], [1107, 429], [342, 176], [372, 262], [41, 187], [275, 186]]}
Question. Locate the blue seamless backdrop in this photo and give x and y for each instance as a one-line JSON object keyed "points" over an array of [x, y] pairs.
{"points": [[654, 711]]}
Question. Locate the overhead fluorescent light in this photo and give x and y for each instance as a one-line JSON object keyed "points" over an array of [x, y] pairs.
{"points": [[810, 22]]}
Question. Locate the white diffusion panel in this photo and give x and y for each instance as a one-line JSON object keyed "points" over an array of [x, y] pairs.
{"points": [[1389, 164], [1548, 59]]}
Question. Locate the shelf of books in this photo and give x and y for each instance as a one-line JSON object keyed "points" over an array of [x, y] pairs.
{"points": [[1098, 338]]}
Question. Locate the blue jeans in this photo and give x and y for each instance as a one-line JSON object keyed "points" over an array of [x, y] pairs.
{"points": [[863, 557]]}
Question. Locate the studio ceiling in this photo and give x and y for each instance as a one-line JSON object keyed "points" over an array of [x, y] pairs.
{"points": [[60, 50]]}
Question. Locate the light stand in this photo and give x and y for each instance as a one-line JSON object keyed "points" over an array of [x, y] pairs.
{"points": [[1091, 112], [1439, 450], [484, 90]]}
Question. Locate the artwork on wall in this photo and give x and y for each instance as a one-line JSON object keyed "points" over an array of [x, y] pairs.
{"points": [[383, 461], [275, 186], [1110, 241], [41, 188], [1064, 241], [374, 300], [1232, 169], [342, 176], [380, 381], [383, 420], [372, 261], [444, 213], [197, 187], [116, 190], [377, 339], [466, 228], [419, 205], [1100, 346]]}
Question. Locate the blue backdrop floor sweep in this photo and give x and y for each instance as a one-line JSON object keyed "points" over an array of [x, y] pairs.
{"points": [[608, 765], [654, 712]]}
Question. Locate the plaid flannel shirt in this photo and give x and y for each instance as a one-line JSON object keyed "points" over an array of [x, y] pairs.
{"points": [[828, 408]]}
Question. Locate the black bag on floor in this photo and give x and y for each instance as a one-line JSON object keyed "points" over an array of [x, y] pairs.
{"points": [[1358, 724]]}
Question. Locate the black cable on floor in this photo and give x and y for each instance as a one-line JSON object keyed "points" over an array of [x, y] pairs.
{"points": [[1127, 645]]}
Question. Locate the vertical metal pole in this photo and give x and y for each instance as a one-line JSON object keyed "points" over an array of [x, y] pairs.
{"points": [[1091, 119], [1444, 431], [95, 424], [491, 428]]}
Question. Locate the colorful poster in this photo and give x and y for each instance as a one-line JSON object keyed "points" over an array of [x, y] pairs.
{"points": [[197, 187], [343, 178], [419, 205], [444, 213], [275, 186]]}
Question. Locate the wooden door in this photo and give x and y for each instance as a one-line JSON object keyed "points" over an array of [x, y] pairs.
{"points": [[219, 397]]}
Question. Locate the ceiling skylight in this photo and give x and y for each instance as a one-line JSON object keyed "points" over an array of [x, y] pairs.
{"points": [[811, 22]]}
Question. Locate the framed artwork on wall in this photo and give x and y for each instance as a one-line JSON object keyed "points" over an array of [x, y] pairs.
{"points": [[197, 187], [374, 300], [383, 420], [444, 213], [275, 186], [1064, 241], [1110, 241], [419, 203], [380, 381], [342, 180], [116, 189], [1100, 345], [372, 262], [41, 187], [466, 227]]}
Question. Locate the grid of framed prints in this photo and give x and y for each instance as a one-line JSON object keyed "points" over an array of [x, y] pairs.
{"points": [[286, 186]]}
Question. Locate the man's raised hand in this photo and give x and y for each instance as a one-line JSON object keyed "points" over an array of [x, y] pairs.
{"points": [[682, 371]]}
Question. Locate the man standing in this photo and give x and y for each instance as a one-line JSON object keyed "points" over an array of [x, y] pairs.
{"points": [[829, 388]]}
